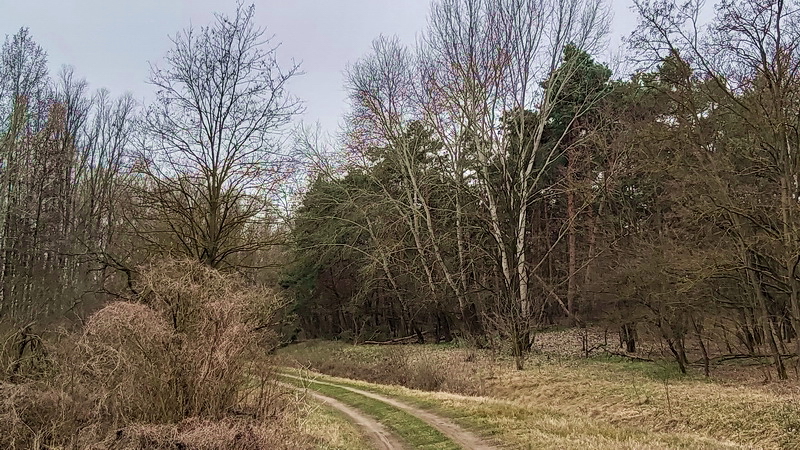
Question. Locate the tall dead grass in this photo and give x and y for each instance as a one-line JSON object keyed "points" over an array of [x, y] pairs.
{"points": [[177, 369], [415, 367]]}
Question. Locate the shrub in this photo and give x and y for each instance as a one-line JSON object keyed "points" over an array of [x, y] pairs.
{"points": [[180, 366], [203, 434]]}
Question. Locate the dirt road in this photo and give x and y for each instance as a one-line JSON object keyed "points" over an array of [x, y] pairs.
{"points": [[460, 436]]}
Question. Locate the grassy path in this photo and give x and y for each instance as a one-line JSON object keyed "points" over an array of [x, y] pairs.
{"points": [[418, 427], [563, 402]]}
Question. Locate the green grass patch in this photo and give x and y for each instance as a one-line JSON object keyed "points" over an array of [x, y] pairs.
{"points": [[653, 370]]}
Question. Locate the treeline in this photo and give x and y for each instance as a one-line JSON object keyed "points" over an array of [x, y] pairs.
{"points": [[495, 179], [61, 155], [492, 180], [93, 187], [136, 300]]}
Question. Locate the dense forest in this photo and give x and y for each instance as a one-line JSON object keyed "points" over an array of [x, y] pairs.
{"points": [[499, 180], [494, 180]]}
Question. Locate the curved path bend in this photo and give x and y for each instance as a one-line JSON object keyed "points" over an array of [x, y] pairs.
{"points": [[460, 436]]}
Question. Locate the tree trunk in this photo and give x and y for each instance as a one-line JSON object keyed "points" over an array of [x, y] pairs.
{"points": [[767, 322], [571, 239], [678, 353], [706, 361], [628, 337]]}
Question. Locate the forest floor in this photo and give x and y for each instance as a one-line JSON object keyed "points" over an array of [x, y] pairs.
{"points": [[558, 401]]}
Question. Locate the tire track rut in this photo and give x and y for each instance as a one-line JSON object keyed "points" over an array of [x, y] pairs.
{"points": [[375, 431]]}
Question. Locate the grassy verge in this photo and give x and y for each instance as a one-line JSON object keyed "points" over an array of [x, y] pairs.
{"points": [[413, 430], [330, 429], [523, 426], [563, 402]]}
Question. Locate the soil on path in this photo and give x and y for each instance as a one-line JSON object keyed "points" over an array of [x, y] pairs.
{"points": [[460, 436]]}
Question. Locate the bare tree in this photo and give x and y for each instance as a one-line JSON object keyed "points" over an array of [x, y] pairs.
{"points": [[23, 73], [476, 76], [210, 158], [101, 190], [383, 91], [24, 84], [486, 61]]}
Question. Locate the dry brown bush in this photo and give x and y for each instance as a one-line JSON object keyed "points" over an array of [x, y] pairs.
{"points": [[187, 350], [190, 348], [415, 367], [204, 434], [436, 371], [30, 413]]}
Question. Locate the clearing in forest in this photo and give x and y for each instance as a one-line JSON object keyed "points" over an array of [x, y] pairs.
{"points": [[560, 401]]}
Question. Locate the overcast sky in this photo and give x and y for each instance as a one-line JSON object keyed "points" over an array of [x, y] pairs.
{"points": [[110, 42]]}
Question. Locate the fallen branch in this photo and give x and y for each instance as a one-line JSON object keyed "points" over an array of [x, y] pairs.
{"points": [[724, 358], [403, 340]]}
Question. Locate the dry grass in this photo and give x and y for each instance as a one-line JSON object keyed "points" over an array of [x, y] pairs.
{"points": [[417, 367], [569, 402], [535, 427], [205, 434], [640, 395], [741, 407], [328, 428]]}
